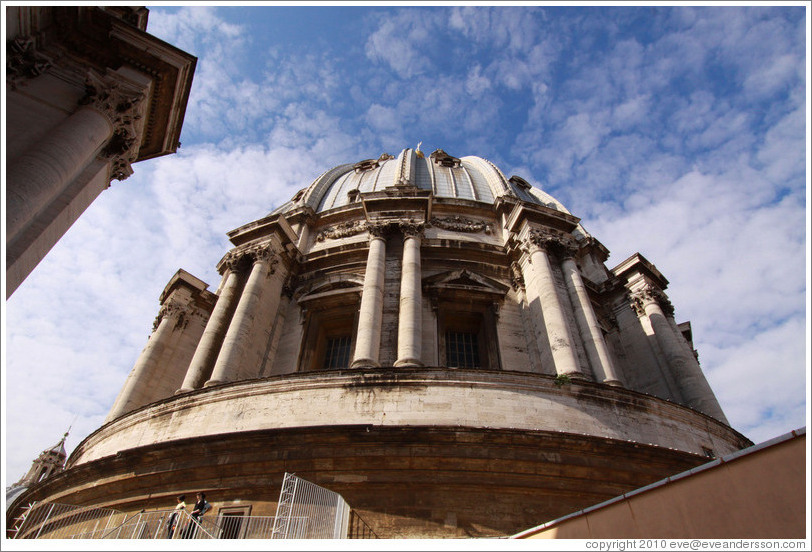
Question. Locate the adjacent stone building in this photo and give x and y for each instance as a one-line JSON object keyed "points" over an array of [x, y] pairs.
{"points": [[440, 344], [88, 93]]}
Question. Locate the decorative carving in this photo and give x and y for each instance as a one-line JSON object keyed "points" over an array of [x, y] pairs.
{"points": [[23, 61], [123, 108], [516, 277], [461, 224], [649, 294], [341, 230], [289, 287], [556, 243]]}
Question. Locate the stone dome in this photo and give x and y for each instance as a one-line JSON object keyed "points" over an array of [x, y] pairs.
{"points": [[423, 336], [469, 178]]}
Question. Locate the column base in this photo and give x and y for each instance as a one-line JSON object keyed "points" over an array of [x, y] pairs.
{"points": [[212, 383], [613, 383], [407, 362], [183, 390], [365, 363]]}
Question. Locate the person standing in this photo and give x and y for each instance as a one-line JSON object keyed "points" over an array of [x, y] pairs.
{"points": [[201, 507], [174, 517]]}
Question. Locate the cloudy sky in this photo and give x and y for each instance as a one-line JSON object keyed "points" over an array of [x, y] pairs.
{"points": [[676, 132]]}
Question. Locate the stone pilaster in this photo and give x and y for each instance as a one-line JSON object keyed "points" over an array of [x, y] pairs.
{"points": [[227, 366], [411, 298], [368, 339], [545, 303], [211, 341], [654, 304], [137, 384]]}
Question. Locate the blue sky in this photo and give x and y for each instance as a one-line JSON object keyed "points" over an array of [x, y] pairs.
{"points": [[678, 132]]}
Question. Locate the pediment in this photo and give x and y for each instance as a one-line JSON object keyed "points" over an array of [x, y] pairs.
{"points": [[332, 287], [465, 280]]}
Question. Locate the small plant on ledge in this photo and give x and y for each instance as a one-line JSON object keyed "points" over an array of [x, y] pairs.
{"points": [[562, 379]]}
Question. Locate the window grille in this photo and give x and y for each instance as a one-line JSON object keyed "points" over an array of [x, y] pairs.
{"points": [[461, 350], [337, 354]]}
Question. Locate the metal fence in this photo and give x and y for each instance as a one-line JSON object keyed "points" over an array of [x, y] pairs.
{"points": [[304, 511]]}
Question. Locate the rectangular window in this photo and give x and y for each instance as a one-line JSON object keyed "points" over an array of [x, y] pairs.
{"points": [[337, 353], [461, 350]]}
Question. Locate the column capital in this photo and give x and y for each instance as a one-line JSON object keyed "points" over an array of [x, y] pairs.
{"points": [[123, 106], [555, 243], [411, 229], [648, 294], [378, 230], [172, 309], [232, 261], [264, 254]]}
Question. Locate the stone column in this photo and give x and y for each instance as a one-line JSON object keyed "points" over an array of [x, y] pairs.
{"points": [[596, 349], [239, 331], [105, 125], [200, 367], [692, 382], [541, 279], [370, 316], [145, 368], [411, 299]]}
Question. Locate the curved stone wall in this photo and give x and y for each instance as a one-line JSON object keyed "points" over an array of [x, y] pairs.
{"points": [[415, 397]]}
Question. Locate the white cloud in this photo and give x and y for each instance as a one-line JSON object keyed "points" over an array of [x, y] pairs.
{"points": [[402, 41]]}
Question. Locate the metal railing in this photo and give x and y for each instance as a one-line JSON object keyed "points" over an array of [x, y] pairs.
{"points": [[304, 511], [63, 521]]}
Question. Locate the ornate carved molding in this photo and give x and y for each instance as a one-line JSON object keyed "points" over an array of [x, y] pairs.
{"points": [[124, 108], [23, 61], [461, 224], [342, 230], [649, 294]]}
